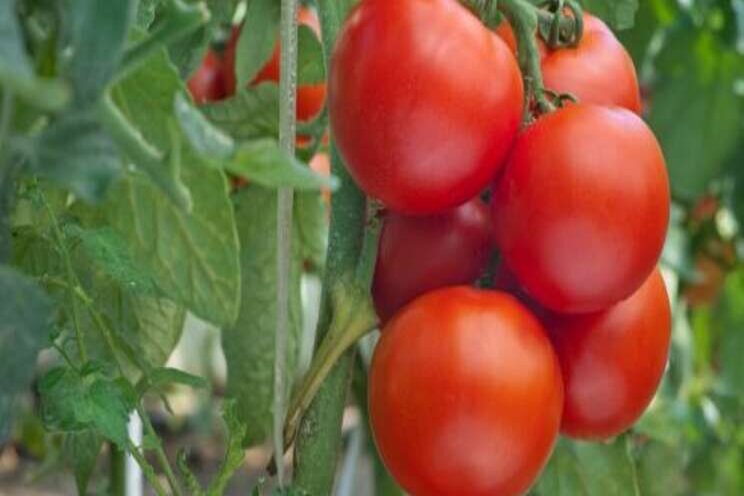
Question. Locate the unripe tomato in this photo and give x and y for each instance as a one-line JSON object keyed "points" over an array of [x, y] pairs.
{"points": [[424, 102], [465, 395], [613, 361], [207, 83], [581, 211], [599, 70], [418, 254], [310, 97]]}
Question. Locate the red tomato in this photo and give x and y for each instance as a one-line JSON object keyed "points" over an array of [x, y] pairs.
{"points": [[613, 361], [207, 83], [310, 98], [599, 70], [419, 254], [424, 102], [465, 395], [581, 211]]}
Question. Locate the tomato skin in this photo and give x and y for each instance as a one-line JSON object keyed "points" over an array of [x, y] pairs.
{"points": [[424, 102], [465, 394], [613, 361], [421, 253], [581, 211], [599, 70], [310, 97], [207, 83]]}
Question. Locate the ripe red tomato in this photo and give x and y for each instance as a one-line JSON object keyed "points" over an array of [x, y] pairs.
{"points": [[465, 395], [310, 97], [599, 70], [581, 211], [419, 254], [424, 102], [207, 83], [613, 361]]}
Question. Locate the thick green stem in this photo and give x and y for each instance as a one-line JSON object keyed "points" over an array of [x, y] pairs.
{"points": [[287, 126], [319, 434], [117, 469]]}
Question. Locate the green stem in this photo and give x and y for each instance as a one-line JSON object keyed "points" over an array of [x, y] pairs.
{"points": [[180, 19], [287, 131], [142, 153], [117, 487], [523, 18], [147, 470], [159, 452], [319, 433], [72, 279]]}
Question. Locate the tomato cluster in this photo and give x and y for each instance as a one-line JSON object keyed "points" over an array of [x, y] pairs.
{"points": [[470, 388]]}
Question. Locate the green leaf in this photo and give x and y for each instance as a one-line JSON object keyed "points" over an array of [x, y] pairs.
{"points": [[76, 152], [73, 402], [263, 162], [25, 318], [661, 470], [249, 344], [695, 111], [16, 70], [165, 376], [652, 15], [311, 219], [619, 14], [98, 33], [234, 453], [310, 60], [81, 451], [192, 256], [146, 10], [732, 334], [588, 469], [252, 113], [257, 40], [205, 139]]}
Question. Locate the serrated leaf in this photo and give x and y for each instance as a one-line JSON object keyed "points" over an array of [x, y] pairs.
{"points": [[310, 60], [25, 318], [76, 152], [98, 32], [193, 257], [257, 40], [165, 376], [234, 453], [263, 162], [81, 451], [252, 113], [16, 70], [620, 14], [588, 469], [204, 138], [249, 344], [698, 85]]}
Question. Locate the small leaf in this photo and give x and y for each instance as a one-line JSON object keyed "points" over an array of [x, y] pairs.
{"points": [[310, 60], [257, 40], [263, 162], [234, 453], [81, 451], [25, 322], [164, 376], [206, 139], [252, 113], [76, 152]]}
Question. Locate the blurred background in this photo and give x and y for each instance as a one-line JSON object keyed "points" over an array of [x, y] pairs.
{"points": [[690, 59]]}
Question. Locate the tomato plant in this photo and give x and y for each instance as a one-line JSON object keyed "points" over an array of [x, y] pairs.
{"points": [[612, 361], [589, 181], [418, 254], [459, 378], [447, 113]]}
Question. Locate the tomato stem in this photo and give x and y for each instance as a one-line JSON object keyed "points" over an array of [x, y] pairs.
{"points": [[287, 131]]}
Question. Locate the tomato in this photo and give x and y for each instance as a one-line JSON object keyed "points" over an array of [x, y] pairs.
{"points": [[310, 97], [465, 395], [207, 83], [599, 70], [418, 254], [424, 102], [613, 361], [581, 210]]}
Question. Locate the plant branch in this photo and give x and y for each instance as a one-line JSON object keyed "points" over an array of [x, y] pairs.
{"points": [[147, 469], [287, 131], [159, 452]]}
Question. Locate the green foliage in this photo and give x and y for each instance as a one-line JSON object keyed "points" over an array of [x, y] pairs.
{"points": [[252, 113], [236, 433], [257, 40], [25, 318], [81, 450], [620, 14], [310, 61]]}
